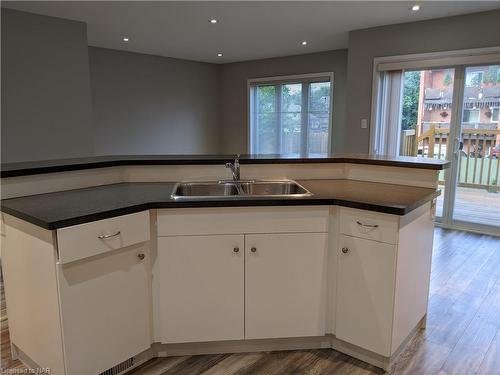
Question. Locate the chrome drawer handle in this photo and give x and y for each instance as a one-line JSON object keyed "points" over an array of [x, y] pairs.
{"points": [[106, 236], [367, 225]]}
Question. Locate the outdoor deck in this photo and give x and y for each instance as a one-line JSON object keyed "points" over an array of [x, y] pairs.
{"points": [[475, 205]]}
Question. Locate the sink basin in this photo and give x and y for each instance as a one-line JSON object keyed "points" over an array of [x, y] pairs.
{"points": [[204, 189], [230, 190]]}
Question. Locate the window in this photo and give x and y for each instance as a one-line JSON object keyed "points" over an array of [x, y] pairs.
{"points": [[291, 116], [494, 114], [471, 115], [474, 79]]}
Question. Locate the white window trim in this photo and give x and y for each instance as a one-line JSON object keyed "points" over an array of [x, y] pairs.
{"points": [[477, 56], [253, 81]]}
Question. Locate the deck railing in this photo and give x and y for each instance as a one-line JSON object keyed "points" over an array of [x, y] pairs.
{"points": [[479, 164]]}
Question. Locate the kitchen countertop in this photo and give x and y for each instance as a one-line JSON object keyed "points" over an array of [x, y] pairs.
{"points": [[66, 208], [63, 165]]}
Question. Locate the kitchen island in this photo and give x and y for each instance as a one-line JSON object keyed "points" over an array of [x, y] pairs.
{"points": [[120, 272]]}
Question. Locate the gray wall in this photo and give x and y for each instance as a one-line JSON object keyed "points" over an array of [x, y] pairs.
{"points": [[234, 78], [46, 109], [146, 104], [453, 33]]}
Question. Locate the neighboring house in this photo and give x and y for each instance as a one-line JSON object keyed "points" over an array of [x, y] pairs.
{"points": [[481, 98], [481, 102]]}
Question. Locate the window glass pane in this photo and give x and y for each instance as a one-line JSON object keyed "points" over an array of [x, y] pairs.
{"points": [[494, 114], [291, 111], [473, 79], [426, 107], [265, 120], [478, 161], [319, 118]]}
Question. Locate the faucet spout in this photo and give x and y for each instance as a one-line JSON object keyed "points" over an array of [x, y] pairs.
{"points": [[235, 168]]}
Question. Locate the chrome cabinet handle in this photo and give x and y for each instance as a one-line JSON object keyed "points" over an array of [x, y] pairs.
{"points": [[106, 236], [345, 250], [367, 225], [253, 249], [236, 249], [141, 256]]}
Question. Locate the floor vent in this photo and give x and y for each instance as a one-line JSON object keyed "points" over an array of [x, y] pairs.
{"points": [[119, 368]]}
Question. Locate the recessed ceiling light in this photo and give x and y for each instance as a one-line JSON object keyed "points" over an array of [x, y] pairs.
{"points": [[219, 54], [125, 39], [415, 8], [304, 43], [213, 20]]}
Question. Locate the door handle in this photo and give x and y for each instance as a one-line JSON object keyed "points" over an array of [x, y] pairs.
{"points": [[459, 146]]}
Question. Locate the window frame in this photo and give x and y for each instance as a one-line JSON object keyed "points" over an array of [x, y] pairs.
{"points": [[289, 79]]}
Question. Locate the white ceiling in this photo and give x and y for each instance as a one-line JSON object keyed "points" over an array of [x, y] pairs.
{"points": [[245, 31]]}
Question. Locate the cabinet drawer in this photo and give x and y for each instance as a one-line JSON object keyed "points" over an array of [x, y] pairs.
{"points": [[237, 220], [369, 225], [85, 240]]}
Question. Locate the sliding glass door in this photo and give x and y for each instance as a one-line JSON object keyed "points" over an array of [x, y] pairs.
{"points": [[477, 195], [449, 113], [426, 118]]}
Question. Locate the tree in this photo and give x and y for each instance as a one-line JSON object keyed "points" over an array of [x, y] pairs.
{"points": [[410, 100], [447, 79]]}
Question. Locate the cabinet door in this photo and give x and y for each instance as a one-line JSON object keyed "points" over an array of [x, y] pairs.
{"points": [[200, 288], [105, 309], [285, 285], [365, 293]]}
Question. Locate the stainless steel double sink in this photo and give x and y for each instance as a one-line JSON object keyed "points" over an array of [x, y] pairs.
{"points": [[238, 190]]}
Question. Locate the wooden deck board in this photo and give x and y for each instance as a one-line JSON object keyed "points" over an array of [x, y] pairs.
{"points": [[462, 334], [475, 205]]}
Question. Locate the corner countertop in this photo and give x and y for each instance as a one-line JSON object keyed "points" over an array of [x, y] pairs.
{"points": [[62, 165], [66, 208]]}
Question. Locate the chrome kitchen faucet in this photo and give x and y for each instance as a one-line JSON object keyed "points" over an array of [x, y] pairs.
{"points": [[235, 168]]}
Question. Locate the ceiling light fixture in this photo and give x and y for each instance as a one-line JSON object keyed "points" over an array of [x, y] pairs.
{"points": [[219, 54], [125, 39], [415, 8], [304, 43], [213, 20]]}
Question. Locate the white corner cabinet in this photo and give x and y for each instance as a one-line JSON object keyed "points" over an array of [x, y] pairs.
{"points": [[208, 280], [383, 274], [79, 299]]}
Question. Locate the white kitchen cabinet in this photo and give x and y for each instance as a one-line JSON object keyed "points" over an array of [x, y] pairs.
{"points": [[105, 309], [201, 288], [285, 285], [365, 293]]}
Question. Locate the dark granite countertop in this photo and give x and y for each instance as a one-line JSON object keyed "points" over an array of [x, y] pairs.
{"points": [[63, 165], [72, 207]]}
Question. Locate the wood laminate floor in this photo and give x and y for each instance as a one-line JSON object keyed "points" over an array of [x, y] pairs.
{"points": [[462, 335]]}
